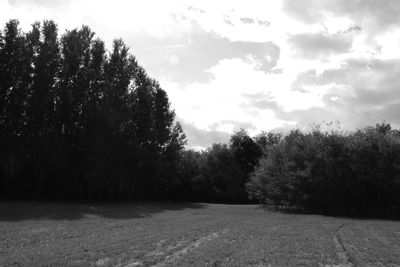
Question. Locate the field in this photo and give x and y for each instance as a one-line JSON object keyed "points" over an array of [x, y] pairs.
{"points": [[146, 234]]}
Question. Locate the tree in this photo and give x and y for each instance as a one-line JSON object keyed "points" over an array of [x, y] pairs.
{"points": [[14, 83], [245, 151], [44, 44]]}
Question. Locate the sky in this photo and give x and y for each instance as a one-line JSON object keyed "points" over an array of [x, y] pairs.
{"points": [[261, 65]]}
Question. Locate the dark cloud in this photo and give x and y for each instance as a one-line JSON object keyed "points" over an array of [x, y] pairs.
{"points": [[186, 58], [377, 14], [373, 82], [203, 138], [311, 45], [365, 92], [348, 116], [352, 29]]}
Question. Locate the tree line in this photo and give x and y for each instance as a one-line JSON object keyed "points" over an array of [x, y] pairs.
{"points": [[78, 122], [323, 171], [83, 123]]}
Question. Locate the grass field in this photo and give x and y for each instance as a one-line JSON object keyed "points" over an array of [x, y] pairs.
{"points": [[146, 234]]}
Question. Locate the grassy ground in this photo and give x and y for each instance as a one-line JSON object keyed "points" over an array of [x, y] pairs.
{"points": [[42, 234]]}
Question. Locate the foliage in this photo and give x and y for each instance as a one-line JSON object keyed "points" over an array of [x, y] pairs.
{"points": [[219, 173], [79, 122], [332, 172]]}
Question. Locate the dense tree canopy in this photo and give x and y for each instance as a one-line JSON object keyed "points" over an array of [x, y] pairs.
{"points": [[332, 172], [80, 122]]}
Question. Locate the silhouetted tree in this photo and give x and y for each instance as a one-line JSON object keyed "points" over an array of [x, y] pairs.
{"points": [[44, 44], [14, 85], [76, 123]]}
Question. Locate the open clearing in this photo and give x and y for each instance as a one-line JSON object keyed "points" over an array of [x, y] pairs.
{"points": [[146, 234]]}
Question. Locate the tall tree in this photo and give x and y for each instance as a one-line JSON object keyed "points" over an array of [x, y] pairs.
{"points": [[96, 128], [14, 83], [41, 123]]}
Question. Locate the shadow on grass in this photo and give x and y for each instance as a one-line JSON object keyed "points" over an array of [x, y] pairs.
{"points": [[19, 211]]}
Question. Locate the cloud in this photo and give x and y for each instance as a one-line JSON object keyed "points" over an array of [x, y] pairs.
{"points": [[203, 138], [237, 97], [197, 51], [311, 45], [196, 9], [375, 15], [232, 125], [262, 22], [247, 20], [260, 100], [359, 92]]}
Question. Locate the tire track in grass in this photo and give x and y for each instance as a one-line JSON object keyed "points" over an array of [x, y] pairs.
{"points": [[345, 257], [177, 254]]}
